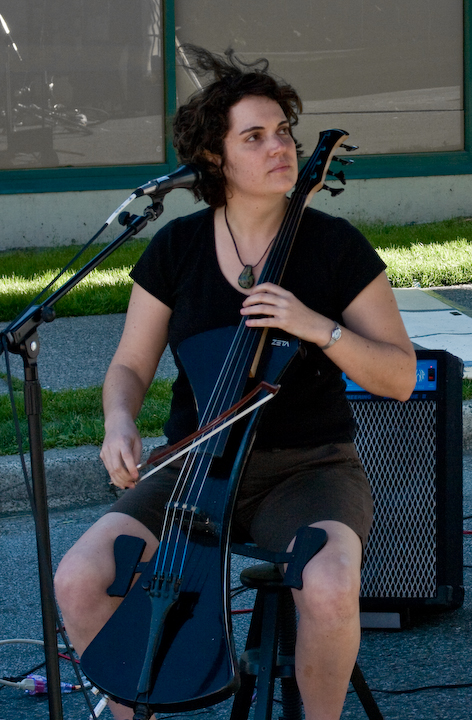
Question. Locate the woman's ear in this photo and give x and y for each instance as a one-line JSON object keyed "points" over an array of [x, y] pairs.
{"points": [[213, 158]]}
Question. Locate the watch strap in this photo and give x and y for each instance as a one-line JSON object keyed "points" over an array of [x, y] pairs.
{"points": [[335, 336]]}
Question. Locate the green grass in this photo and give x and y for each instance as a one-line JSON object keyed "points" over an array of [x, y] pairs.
{"points": [[74, 417], [404, 236], [430, 254], [467, 389], [24, 273], [429, 265]]}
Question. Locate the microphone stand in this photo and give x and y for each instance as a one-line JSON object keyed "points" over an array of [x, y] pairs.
{"points": [[22, 339]]}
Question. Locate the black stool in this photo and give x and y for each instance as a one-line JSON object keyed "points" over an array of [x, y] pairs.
{"points": [[270, 644]]}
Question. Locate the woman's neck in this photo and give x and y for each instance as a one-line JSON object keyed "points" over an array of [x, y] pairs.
{"points": [[257, 222], [243, 237]]}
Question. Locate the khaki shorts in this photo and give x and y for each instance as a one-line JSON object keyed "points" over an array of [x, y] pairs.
{"points": [[281, 491]]}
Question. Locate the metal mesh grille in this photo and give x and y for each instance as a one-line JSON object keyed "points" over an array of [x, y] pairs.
{"points": [[397, 445]]}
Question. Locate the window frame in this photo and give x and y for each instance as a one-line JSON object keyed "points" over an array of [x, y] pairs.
{"points": [[130, 176]]}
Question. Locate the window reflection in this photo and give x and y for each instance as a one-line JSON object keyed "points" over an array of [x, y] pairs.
{"points": [[388, 72], [82, 83]]}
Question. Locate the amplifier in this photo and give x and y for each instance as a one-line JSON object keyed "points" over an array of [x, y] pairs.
{"points": [[412, 455]]}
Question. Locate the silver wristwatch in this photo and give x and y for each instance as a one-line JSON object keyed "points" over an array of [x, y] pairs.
{"points": [[335, 335]]}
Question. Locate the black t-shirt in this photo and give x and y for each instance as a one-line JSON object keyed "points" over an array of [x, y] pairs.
{"points": [[329, 265]]}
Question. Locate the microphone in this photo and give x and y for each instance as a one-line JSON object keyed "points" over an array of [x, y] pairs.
{"points": [[186, 176]]}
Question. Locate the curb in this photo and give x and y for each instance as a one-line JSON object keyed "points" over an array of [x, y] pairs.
{"points": [[75, 477]]}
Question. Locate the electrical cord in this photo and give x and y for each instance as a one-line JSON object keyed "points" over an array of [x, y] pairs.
{"points": [[171, 717], [410, 691], [238, 590], [34, 684], [29, 683]]}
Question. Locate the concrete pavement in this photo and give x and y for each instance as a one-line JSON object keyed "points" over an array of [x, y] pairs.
{"points": [[439, 319], [430, 651]]}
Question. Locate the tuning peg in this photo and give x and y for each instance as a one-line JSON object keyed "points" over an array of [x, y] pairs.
{"points": [[349, 148], [343, 161], [339, 175], [333, 191]]}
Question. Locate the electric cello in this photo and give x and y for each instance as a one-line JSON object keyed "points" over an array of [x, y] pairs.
{"points": [[168, 646]]}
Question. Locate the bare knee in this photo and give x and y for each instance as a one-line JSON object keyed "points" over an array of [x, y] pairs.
{"points": [[330, 594], [79, 580], [331, 579], [88, 568]]}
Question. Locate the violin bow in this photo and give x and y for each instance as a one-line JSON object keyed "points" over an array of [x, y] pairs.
{"points": [[207, 431]]}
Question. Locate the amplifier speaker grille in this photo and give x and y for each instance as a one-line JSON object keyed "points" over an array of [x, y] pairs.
{"points": [[412, 455], [400, 558]]}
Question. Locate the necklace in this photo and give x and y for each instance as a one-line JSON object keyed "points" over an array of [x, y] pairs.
{"points": [[246, 278]]}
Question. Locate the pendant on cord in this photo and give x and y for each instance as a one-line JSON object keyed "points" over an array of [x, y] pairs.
{"points": [[246, 279]]}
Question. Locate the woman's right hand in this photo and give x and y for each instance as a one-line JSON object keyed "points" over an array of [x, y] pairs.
{"points": [[121, 452]]}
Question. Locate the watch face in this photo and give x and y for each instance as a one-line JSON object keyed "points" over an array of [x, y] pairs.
{"points": [[336, 333]]}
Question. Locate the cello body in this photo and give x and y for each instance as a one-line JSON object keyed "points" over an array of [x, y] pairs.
{"points": [[195, 665]]}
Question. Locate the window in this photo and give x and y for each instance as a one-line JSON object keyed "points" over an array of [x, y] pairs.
{"points": [[390, 73], [83, 83]]}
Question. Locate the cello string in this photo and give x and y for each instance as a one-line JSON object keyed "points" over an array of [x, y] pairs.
{"points": [[229, 370], [289, 222], [273, 259], [194, 466], [169, 518], [171, 521]]}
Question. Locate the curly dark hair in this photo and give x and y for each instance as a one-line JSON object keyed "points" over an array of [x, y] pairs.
{"points": [[201, 125]]}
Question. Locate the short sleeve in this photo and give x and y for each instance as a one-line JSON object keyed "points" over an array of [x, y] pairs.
{"points": [[161, 268], [356, 263], [153, 271]]}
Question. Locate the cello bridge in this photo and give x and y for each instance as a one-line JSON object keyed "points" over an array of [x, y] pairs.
{"points": [[190, 517]]}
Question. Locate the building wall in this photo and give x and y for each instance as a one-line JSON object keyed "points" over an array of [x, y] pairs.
{"points": [[49, 219]]}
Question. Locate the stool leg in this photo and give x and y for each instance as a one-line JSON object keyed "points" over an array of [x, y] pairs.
{"points": [[243, 698], [364, 694], [267, 657], [291, 700]]}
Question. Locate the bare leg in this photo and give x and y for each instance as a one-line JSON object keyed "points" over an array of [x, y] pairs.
{"points": [[329, 626], [83, 577]]}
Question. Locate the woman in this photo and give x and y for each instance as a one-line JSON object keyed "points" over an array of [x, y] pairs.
{"points": [[200, 272]]}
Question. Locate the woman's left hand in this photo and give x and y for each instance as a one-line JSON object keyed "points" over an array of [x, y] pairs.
{"points": [[279, 308], [374, 350]]}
